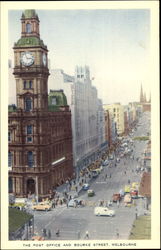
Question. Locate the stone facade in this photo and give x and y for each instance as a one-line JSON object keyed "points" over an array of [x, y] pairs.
{"points": [[117, 112], [40, 140]]}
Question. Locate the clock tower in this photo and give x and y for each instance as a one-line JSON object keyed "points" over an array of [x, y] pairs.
{"points": [[39, 134], [31, 69]]}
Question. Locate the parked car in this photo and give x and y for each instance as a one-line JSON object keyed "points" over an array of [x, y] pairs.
{"points": [[42, 206], [90, 193], [19, 206], [37, 238], [105, 163], [103, 211], [85, 186], [94, 173]]}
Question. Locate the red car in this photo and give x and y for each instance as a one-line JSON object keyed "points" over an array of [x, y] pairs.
{"points": [[116, 197], [134, 193]]}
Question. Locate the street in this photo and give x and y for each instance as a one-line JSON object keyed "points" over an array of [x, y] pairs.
{"points": [[74, 222]]}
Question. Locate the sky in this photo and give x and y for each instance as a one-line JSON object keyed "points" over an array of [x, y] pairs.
{"points": [[115, 44]]}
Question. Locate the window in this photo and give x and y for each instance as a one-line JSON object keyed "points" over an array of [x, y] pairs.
{"points": [[29, 129], [27, 84], [114, 110], [9, 159], [29, 139], [30, 84], [9, 136], [30, 159], [53, 101], [28, 104], [78, 76], [28, 28], [24, 84]]}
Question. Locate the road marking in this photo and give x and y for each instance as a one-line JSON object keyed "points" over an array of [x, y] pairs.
{"points": [[101, 182], [55, 217]]}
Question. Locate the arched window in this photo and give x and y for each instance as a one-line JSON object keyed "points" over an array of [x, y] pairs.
{"points": [[28, 104], [30, 159], [9, 159], [28, 28]]}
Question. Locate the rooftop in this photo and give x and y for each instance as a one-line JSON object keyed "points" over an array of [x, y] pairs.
{"points": [[29, 14]]}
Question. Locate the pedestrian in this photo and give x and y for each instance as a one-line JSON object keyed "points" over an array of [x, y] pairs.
{"points": [[125, 172], [87, 235], [118, 203], [53, 204], [49, 234], [58, 233], [117, 233], [110, 175], [128, 181], [44, 232]]}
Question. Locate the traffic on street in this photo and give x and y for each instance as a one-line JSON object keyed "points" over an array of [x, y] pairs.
{"points": [[98, 206]]}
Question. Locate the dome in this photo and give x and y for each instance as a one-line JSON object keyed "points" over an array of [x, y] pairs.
{"points": [[29, 13]]}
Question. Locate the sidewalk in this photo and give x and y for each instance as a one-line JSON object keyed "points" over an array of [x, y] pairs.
{"points": [[75, 187]]}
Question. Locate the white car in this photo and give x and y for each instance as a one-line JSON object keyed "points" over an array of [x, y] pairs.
{"points": [[103, 211]]}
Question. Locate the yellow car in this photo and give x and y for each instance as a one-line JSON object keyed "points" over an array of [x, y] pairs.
{"points": [[20, 206], [42, 206], [135, 185], [127, 189]]}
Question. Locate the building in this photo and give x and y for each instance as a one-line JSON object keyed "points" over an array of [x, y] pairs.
{"points": [[117, 112], [11, 83], [87, 114], [145, 188], [40, 135]]}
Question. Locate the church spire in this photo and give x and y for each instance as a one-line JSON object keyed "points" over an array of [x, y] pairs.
{"points": [[141, 94], [145, 97]]}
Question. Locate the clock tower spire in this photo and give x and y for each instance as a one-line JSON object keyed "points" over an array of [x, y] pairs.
{"points": [[30, 24], [31, 68]]}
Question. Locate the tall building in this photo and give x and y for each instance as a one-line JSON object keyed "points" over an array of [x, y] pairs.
{"points": [[117, 112], [87, 114], [40, 136]]}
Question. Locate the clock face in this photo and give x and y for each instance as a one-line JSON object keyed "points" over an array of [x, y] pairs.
{"points": [[27, 58], [44, 59]]}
